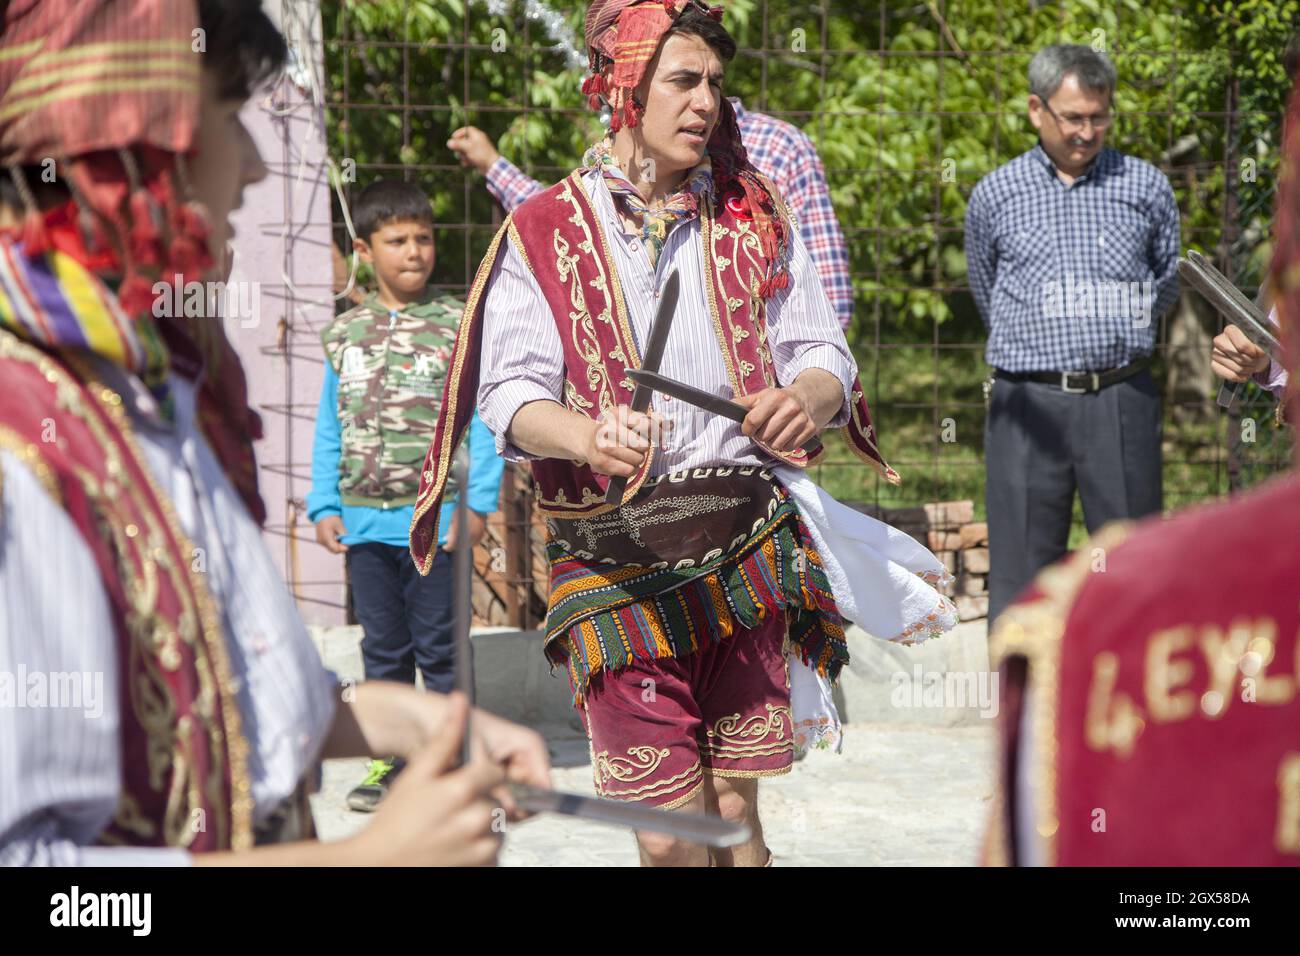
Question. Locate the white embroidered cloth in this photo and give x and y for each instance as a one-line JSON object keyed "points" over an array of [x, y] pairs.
{"points": [[883, 580]]}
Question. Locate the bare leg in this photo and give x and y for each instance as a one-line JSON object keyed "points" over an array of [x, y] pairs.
{"points": [[736, 799], [660, 850]]}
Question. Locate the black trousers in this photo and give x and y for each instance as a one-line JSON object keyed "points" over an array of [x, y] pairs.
{"points": [[1040, 445], [408, 620]]}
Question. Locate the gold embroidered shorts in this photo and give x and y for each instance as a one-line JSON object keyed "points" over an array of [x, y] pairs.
{"points": [[658, 726]]}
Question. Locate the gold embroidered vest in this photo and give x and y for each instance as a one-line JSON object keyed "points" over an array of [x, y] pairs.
{"points": [[184, 756], [562, 241]]}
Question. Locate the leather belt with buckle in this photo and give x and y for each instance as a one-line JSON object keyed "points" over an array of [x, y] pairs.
{"points": [[1078, 383]]}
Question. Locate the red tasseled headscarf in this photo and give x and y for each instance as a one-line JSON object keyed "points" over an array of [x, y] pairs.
{"points": [[107, 93], [627, 33]]}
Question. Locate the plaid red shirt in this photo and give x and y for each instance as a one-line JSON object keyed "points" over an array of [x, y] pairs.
{"points": [[780, 151]]}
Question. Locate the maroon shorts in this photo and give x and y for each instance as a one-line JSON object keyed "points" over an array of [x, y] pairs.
{"points": [[657, 727]]}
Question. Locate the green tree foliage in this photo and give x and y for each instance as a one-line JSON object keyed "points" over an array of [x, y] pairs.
{"points": [[909, 102]]}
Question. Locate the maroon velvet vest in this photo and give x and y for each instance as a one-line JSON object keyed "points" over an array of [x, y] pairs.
{"points": [[1165, 717], [184, 757], [561, 238]]}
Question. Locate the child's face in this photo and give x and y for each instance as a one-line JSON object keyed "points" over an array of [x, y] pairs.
{"points": [[401, 254]]}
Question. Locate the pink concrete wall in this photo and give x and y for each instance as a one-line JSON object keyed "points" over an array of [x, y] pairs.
{"points": [[283, 230]]}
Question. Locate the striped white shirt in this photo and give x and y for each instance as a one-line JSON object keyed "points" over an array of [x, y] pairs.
{"points": [[523, 356], [60, 768]]}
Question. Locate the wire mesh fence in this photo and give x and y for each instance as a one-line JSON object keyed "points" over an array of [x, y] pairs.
{"points": [[909, 104]]}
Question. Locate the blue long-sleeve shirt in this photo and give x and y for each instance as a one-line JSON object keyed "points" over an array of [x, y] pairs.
{"points": [[392, 525]]}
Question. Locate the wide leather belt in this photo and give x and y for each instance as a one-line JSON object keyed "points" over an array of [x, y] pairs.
{"points": [[1078, 383]]}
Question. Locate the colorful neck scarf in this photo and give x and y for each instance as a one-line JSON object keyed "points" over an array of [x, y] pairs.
{"points": [[53, 300], [654, 222]]}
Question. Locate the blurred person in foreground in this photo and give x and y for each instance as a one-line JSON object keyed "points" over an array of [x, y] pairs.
{"points": [[160, 699]]}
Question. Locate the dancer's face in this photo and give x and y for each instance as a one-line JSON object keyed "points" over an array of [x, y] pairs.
{"points": [[1068, 124], [682, 93], [226, 160]]}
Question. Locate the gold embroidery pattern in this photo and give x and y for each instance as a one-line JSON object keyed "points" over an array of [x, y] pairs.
{"points": [[573, 400], [27, 454], [150, 636], [1287, 835], [857, 429], [432, 492], [756, 736], [727, 772], [718, 257], [639, 764], [758, 313], [711, 234], [1035, 631], [582, 329], [200, 627], [614, 313], [560, 505], [609, 283], [748, 249]]}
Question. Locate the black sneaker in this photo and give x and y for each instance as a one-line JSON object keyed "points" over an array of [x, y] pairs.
{"points": [[379, 777]]}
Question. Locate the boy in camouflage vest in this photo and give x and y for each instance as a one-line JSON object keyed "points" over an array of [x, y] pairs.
{"points": [[386, 362]]}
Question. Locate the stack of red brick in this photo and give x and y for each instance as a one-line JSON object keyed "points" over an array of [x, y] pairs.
{"points": [[949, 530]]}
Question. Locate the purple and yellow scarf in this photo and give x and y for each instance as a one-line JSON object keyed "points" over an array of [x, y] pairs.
{"points": [[55, 302]]}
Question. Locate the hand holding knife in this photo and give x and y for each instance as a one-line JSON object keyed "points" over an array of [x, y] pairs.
{"points": [[705, 400], [1235, 308], [654, 353]]}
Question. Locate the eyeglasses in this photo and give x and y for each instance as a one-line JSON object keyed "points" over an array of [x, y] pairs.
{"points": [[1072, 121]]}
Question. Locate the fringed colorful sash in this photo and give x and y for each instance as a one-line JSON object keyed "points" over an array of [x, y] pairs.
{"points": [[731, 550]]}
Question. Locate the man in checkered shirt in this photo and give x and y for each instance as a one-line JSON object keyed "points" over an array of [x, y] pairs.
{"points": [[781, 152], [1071, 251]]}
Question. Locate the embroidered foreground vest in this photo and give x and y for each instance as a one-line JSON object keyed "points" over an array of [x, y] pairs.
{"points": [[562, 241], [184, 757], [1164, 721]]}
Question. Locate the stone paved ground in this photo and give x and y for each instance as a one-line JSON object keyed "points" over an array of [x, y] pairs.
{"points": [[899, 794]]}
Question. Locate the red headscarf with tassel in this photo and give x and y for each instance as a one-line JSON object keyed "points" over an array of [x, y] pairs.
{"points": [[108, 91], [627, 34]]}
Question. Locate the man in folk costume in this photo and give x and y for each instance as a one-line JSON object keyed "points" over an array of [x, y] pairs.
{"points": [[130, 553], [683, 614], [1151, 704]]}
